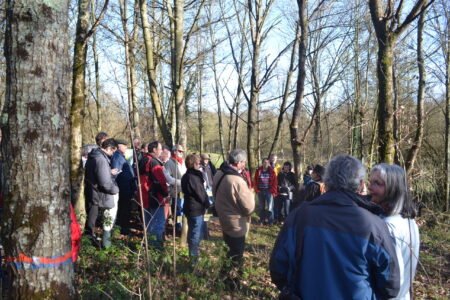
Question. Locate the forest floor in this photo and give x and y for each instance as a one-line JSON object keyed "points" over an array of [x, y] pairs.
{"points": [[119, 272]]}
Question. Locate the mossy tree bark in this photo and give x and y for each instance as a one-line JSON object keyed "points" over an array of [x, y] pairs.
{"points": [[386, 21], [36, 134], [77, 112]]}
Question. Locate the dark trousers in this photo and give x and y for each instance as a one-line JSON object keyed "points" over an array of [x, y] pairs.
{"points": [[236, 245], [92, 217], [124, 213], [233, 269]]}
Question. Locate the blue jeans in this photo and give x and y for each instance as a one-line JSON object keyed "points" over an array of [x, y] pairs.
{"points": [[179, 212], [287, 206], [155, 221], [282, 207], [195, 231], [265, 200]]}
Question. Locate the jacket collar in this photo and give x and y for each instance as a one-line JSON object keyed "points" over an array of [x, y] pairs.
{"points": [[228, 170], [195, 172], [347, 198]]}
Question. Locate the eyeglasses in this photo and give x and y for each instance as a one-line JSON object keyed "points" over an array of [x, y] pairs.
{"points": [[181, 151]]}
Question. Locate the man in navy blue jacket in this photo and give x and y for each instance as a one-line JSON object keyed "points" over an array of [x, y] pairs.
{"points": [[127, 186], [336, 247]]}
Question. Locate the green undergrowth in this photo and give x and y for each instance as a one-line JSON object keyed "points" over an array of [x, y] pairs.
{"points": [[121, 272], [432, 279]]}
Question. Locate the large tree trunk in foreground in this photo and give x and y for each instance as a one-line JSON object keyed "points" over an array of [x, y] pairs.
{"points": [[36, 231]]}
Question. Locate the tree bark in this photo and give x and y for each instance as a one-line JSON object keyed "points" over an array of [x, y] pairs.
{"points": [[257, 14], [447, 121], [178, 74], [200, 109], [130, 68], [357, 129], [412, 154], [217, 94], [286, 91], [298, 101], [36, 209], [77, 111], [97, 72], [386, 145], [151, 74], [388, 28]]}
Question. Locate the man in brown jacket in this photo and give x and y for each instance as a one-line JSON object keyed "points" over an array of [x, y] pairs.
{"points": [[234, 203]]}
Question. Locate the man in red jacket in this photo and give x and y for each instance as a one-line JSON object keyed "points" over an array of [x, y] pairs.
{"points": [[154, 193], [266, 188]]}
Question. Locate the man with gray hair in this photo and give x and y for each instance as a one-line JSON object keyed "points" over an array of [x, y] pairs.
{"points": [[336, 247], [176, 168], [234, 202]]}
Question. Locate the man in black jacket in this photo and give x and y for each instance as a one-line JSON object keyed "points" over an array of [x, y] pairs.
{"points": [[101, 189], [195, 202], [286, 188]]}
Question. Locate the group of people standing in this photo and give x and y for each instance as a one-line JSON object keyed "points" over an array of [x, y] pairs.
{"points": [[336, 241], [346, 244], [278, 192], [111, 183]]}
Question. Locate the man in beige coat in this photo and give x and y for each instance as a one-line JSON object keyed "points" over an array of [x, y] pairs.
{"points": [[234, 203]]}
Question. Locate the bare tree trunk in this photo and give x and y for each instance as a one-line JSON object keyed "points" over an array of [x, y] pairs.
{"points": [[36, 222], [298, 102], [217, 94], [97, 72], [395, 117], [77, 111], [386, 141], [318, 99], [130, 67], [412, 154], [357, 130], [151, 74], [286, 91], [133, 75], [388, 29], [200, 109], [257, 14], [447, 120], [178, 74]]}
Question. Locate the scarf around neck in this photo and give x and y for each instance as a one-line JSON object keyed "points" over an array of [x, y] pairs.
{"points": [[177, 158]]}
